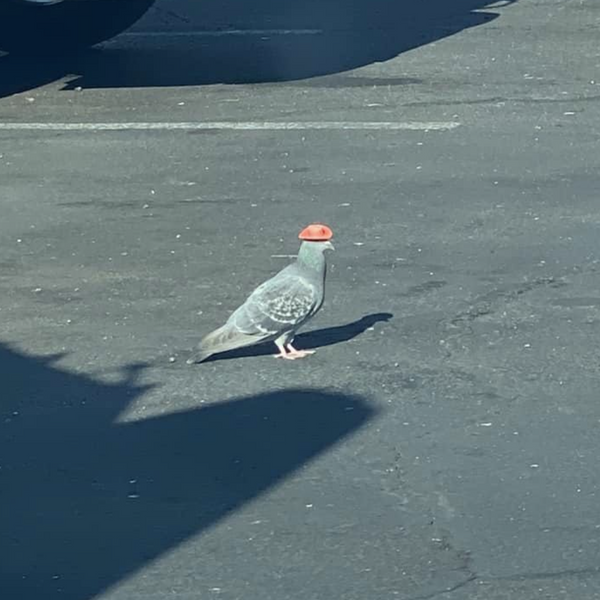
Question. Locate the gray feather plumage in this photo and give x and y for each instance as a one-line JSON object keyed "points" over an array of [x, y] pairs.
{"points": [[276, 309]]}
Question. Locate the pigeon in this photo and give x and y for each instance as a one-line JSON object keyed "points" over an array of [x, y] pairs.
{"points": [[276, 309]]}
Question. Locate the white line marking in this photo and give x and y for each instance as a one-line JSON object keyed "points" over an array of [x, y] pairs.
{"points": [[237, 126], [222, 33]]}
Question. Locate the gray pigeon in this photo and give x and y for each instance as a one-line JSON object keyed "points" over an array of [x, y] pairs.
{"points": [[276, 309]]}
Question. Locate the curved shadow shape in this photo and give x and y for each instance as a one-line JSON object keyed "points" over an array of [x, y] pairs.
{"points": [[341, 333], [339, 35], [311, 339], [87, 500]]}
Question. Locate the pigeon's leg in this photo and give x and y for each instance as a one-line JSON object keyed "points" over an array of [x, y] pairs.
{"points": [[283, 353], [298, 353]]}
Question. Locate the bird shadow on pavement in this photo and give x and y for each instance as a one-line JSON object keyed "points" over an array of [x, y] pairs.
{"points": [[90, 496], [311, 339], [243, 42]]}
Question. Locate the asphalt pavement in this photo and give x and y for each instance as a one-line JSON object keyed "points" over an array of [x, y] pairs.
{"points": [[442, 442]]}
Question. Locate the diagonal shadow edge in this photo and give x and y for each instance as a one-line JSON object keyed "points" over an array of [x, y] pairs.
{"points": [[87, 501]]}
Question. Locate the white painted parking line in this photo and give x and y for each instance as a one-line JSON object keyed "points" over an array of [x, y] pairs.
{"points": [[222, 33], [237, 126]]}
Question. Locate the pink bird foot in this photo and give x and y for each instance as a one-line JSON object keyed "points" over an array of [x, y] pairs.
{"points": [[292, 353]]}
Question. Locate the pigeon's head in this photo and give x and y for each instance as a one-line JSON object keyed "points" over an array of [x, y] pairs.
{"points": [[318, 235]]}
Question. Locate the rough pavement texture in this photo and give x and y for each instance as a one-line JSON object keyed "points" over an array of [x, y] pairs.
{"points": [[443, 441]]}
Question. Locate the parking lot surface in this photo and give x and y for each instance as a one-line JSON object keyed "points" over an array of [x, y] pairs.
{"points": [[442, 442]]}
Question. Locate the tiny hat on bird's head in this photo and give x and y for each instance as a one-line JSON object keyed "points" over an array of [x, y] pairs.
{"points": [[316, 232]]}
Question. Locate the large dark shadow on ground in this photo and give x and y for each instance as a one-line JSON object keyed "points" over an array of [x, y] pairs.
{"points": [[86, 500], [351, 34]]}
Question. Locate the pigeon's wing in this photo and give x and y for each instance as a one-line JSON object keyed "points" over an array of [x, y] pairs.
{"points": [[280, 304]]}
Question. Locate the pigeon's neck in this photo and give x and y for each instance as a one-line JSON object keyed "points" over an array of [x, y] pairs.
{"points": [[311, 257]]}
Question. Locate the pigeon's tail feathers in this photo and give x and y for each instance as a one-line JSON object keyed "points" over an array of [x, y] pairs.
{"points": [[199, 356], [220, 340]]}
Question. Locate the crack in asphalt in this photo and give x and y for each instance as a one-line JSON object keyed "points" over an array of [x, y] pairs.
{"points": [[461, 584], [548, 574], [472, 577]]}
